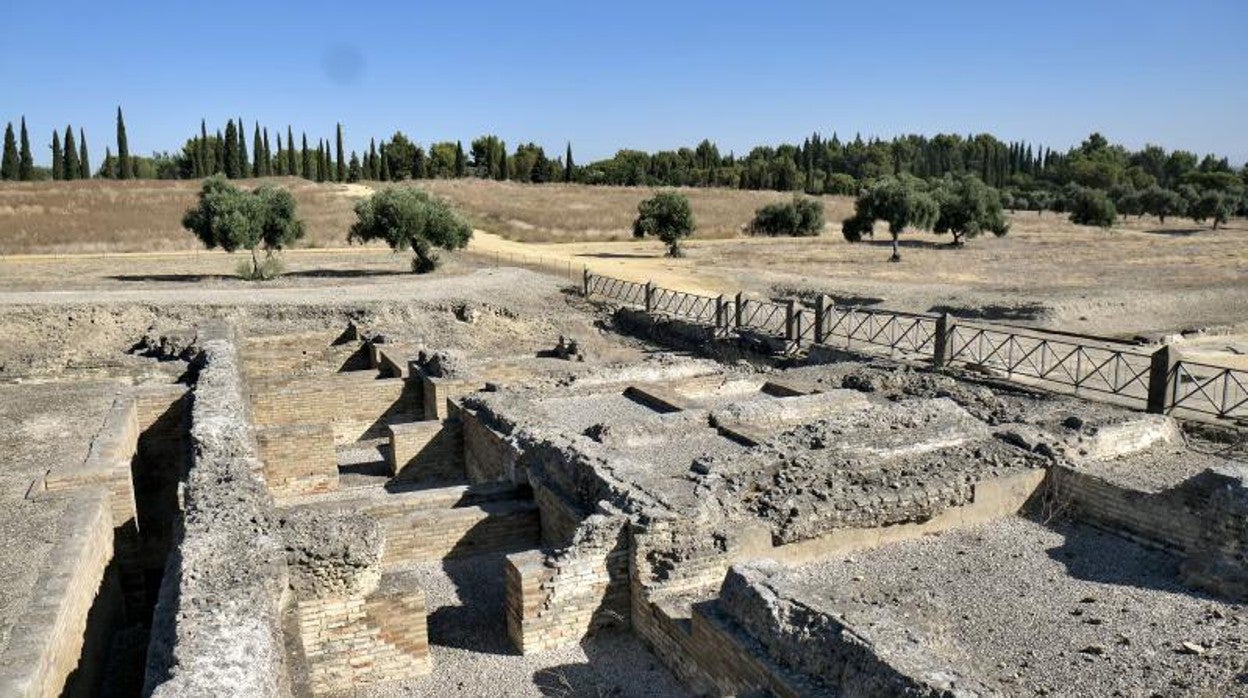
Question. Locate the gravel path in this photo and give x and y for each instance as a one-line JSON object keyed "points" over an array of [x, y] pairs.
{"points": [[1032, 610], [472, 656]]}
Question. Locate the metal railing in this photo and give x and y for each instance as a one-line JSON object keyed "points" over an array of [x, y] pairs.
{"points": [[1096, 366], [1082, 364], [1218, 391]]}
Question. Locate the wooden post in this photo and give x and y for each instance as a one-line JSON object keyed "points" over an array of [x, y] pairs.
{"points": [[585, 282], [649, 296], [721, 317], [821, 310], [740, 305], [944, 334], [1160, 378], [790, 321]]}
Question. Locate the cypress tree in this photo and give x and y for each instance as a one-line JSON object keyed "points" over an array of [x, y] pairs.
{"points": [[9, 166], [257, 153], [218, 154], [353, 170], [231, 150], [567, 164], [72, 168], [84, 163], [281, 155], [373, 172], [502, 161], [322, 161], [26, 162], [342, 163], [385, 166], [123, 148], [460, 167], [305, 162], [201, 151], [108, 169], [268, 155], [420, 169], [244, 167], [58, 165], [291, 165]]}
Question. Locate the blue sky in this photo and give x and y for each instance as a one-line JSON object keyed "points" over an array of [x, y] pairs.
{"points": [[637, 74]]}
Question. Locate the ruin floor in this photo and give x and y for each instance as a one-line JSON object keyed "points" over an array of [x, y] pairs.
{"points": [[1030, 609]]}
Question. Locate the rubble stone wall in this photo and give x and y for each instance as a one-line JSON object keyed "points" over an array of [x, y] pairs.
{"points": [[488, 457], [1220, 559], [217, 622]]}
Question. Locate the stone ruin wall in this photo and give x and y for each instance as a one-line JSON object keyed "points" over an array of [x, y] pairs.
{"points": [[214, 626]]}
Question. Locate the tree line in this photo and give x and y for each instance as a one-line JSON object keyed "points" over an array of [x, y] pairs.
{"points": [[1030, 177]]}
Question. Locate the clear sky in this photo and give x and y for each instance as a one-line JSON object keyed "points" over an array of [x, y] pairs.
{"points": [[636, 74]]}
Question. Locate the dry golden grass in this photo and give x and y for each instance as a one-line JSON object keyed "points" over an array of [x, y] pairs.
{"points": [[578, 212], [142, 215]]}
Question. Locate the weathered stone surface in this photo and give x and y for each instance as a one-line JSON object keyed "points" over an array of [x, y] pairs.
{"points": [[216, 629], [332, 552]]}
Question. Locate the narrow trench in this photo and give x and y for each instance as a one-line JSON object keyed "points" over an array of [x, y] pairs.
{"points": [[114, 652]]}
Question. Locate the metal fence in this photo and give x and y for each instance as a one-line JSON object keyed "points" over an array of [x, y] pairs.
{"points": [[1082, 364], [1206, 389]]}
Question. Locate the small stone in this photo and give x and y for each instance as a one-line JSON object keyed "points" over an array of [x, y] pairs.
{"points": [[1191, 648], [1093, 650]]}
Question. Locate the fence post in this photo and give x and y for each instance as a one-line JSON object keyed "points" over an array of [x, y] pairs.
{"points": [[790, 322], [721, 319], [649, 296], [585, 282], [821, 309], [740, 304], [944, 333], [1159, 379]]}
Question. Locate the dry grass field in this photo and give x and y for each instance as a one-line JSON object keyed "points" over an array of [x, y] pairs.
{"points": [[578, 212], [140, 216], [1139, 277]]}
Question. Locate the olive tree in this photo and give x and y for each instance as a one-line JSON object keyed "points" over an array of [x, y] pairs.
{"points": [[667, 216], [1215, 206], [233, 219], [1089, 206], [968, 207], [900, 202], [1162, 202], [404, 218]]}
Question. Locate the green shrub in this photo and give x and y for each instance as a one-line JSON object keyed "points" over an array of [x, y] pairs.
{"points": [[801, 217], [1091, 207], [232, 219]]}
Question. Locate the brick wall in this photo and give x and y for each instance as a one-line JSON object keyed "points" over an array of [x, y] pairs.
{"points": [[163, 413], [554, 600], [298, 459], [430, 451], [1165, 518], [487, 456], [288, 355], [436, 392], [356, 404], [46, 644], [432, 536], [559, 519], [356, 640]]}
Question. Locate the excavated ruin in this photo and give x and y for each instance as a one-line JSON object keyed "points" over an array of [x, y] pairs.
{"points": [[373, 509]]}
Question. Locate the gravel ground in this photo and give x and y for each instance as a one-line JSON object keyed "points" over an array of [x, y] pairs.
{"points": [[1157, 469], [42, 426], [472, 656], [1033, 610]]}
